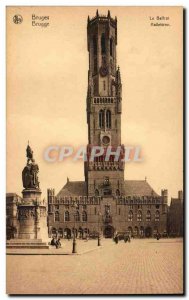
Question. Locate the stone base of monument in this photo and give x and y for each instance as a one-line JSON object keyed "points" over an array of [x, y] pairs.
{"points": [[26, 244], [32, 231]]}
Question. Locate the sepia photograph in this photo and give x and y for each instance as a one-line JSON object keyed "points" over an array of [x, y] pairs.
{"points": [[94, 146]]}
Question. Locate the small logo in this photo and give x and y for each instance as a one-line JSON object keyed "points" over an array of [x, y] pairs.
{"points": [[17, 19]]}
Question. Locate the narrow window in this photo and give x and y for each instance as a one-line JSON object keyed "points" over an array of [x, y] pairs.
{"points": [[148, 216], [117, 193], [111, 47], [101, 118], [108, 119], [103, 44], [84, 216], [96, 192], [66, 216], [77, 217], [94, 45], [130, 216], [57, 218], [139, 216], [157, 216]]}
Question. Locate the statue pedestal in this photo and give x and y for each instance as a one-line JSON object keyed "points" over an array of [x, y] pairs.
{"points": [[32, 220]]}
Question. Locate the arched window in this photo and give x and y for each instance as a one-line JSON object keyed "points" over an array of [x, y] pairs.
{"points": [[96, 192], [66, 216], [111, 66], [95, 64], [157, 216], [94, 45], [101, 118], [139, 216], [108, 119], [57, 217], [117, 192], [111, 47], [77, 216], [84, 216], [148, 216], [130, 216], [103, 44]]}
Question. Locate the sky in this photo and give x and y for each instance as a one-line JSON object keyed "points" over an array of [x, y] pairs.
{"points": [[47, 87]]}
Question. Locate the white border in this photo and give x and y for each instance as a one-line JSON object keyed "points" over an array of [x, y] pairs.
{"points": [[3, 4]]}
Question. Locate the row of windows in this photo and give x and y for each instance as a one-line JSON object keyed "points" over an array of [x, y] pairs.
{"points": [[67, 216], [103, 100], [107, 210], [148, 216], [103, 45]]}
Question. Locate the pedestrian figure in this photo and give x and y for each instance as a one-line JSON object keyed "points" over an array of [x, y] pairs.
{"points": [[125, 238], [58, 243], [158, 236], [116, 239], [53, 242]]}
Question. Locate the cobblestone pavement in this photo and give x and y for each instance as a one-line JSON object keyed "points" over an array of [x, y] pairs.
{"points": [[140, 267]]}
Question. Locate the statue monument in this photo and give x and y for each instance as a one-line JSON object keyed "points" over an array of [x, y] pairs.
{"points": [[32, 211]]}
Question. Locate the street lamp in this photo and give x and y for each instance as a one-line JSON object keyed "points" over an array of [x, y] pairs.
{"points": [[99, 241], [74, 249]]}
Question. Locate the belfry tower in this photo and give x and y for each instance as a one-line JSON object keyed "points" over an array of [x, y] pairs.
{"points": [[104, 106]]}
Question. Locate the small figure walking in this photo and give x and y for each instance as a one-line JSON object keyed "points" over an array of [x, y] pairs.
{"points": [[58, 243]]}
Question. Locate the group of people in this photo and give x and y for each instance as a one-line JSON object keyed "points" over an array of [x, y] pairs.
{"points": [[126, 238], [56, 242]]}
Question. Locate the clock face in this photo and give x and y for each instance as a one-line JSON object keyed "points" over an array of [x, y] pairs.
{"points": [[106, 140], [103, 71]]}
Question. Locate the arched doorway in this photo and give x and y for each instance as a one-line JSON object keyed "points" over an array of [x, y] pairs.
{"points": [[108, 231], [54, 232], [141, 231], [136, 231], [130, 230], [60, 233], [67, 233], [80, 232], [148, 232]]}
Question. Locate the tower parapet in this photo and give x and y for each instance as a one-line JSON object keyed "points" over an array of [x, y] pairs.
{"points": [[164, 194]]}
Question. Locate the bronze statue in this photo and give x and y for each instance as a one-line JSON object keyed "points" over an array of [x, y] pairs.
{"points": [[29, 173], [29, 153]]}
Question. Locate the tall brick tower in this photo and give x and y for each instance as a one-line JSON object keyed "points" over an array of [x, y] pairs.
{"points": [[104, 106]]}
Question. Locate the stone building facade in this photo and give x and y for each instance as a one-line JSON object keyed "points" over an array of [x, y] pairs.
{"points": [[104, 202], [175, 216], [12, 202]]}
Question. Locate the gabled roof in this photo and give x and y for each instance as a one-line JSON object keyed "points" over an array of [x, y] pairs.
{"points": [[75, 188], [132, 188]]}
